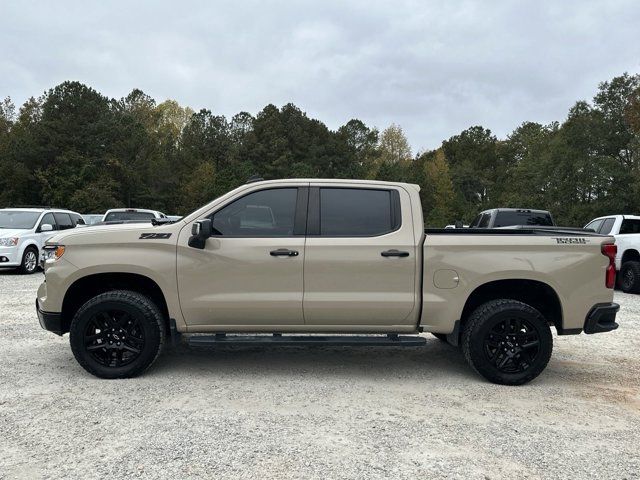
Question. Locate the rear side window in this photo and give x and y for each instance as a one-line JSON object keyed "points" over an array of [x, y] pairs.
{"points": [[630, 226], [358, 212], [607, 225], [508, 218], [63, 220]]}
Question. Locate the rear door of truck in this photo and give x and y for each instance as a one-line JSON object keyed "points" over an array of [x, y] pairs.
{"points": [[360, 264]]}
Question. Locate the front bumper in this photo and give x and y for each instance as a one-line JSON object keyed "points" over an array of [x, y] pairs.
{"points": [[601, 318], [50, 321], [9, 257]]}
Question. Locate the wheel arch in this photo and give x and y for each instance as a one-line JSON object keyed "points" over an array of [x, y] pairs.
{"points": [[630, 254], [536, 293], [84, 288]]}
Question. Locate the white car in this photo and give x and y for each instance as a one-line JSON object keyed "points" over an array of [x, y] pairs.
{"points": [[131, 215], [626, 230], [23, 232]]}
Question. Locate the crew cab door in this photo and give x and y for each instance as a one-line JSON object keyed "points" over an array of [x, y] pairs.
{"points": [[249, 273], [360, 259]]}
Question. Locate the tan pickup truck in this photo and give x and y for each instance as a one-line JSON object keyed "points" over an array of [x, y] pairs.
{"points": [[332, 262]]}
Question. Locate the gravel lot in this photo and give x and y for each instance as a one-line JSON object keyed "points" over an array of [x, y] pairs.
{"points": [[316, 412]]}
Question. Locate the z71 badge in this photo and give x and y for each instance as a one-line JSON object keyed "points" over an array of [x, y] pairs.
{"points": [[154, 236], [571, 240]]}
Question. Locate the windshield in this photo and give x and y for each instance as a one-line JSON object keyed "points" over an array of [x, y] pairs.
{"points": [[18, 219], [133, 215]]}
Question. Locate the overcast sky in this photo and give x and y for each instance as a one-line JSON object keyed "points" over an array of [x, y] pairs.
{"points": [[433, 67]]}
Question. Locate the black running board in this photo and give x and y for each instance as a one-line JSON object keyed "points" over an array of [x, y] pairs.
{"points": [[303, 340]]}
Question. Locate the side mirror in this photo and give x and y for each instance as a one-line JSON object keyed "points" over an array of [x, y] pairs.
{"points": [[200, 231], [46, 227]]}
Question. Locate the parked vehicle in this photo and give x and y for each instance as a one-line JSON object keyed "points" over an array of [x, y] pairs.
{"points": [[509, 217], [23, 232], [131, 215], [326, 257], [174, 218], [626, 230], [92, 218]]}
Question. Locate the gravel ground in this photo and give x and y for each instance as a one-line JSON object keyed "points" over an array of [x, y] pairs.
{"points": [[315, 412]]}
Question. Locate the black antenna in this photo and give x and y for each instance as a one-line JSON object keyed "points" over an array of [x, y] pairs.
{"points": [[254, 178]]}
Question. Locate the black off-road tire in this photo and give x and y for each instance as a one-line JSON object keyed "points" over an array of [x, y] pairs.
{"points": [[148, 325], [491, 336], [629, 277], [30, 261]]}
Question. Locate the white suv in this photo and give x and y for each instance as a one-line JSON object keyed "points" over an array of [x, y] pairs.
{"points": [[23, 232]]}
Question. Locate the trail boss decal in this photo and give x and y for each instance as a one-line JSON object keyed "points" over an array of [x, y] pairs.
{"points": [[154, 236], [571, 240]]}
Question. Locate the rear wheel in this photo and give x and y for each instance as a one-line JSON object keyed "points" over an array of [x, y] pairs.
{"points": [[29, 261], [507, 342], [117, 334], [630, 277]]}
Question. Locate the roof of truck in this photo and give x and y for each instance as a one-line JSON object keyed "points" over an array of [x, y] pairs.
{"points": [[335, 180]]}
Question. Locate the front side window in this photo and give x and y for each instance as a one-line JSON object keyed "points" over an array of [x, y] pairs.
{"points": [[48, 220], [356, 212], [607, 225], [265, 213], [64, 221], [595, 225], [484, 221]]}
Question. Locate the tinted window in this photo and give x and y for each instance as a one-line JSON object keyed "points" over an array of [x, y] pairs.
{"points": [[129, 215], [595, 225], [77, 219], [355, 212], [476, 221], [508, 218], [607, 225], [48, 219], [18, 219], [63, 220], [484, 220], [266, 213], [630, 226]]}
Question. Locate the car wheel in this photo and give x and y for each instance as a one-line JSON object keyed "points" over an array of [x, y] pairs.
{"points": [[29, 261], [507, 342], [117, 334], [630, 277]]}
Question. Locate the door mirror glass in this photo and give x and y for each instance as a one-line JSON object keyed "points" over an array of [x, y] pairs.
{"points": [[46, 227]]}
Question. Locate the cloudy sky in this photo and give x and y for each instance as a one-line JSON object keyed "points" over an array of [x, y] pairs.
{"points": [[433, 67]]}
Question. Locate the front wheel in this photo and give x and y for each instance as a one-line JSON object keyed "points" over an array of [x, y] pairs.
{"points": [[117, 334], [507, 342], [29, 261]]}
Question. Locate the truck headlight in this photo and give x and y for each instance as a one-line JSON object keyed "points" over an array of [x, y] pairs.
{"points": [[53, 252], [9, 242]]}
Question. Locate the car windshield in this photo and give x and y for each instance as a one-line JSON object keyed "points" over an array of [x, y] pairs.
{"points": [[129, 215], [18, 219]]}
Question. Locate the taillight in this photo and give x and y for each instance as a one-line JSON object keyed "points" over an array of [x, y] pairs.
{"points": [[609, 250]]}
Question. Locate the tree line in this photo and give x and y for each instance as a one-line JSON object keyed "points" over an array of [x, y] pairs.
{"points": [[73, 147]]}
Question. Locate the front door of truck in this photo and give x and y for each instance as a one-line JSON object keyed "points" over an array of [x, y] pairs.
{"points": [[360, 258], [250, 272]]}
